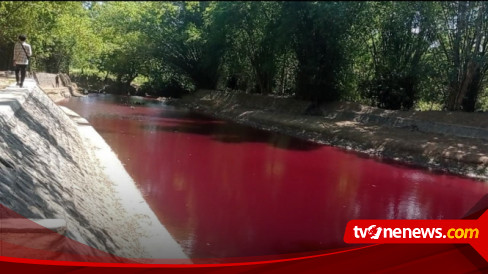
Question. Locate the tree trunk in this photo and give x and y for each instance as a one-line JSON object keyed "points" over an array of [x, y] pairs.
{"points": [[451, 100], [467, 82], [283, 83], [469, 102], [456, 74]]}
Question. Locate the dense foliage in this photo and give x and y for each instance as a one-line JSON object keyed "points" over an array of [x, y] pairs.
{"points": [[394, 55]]}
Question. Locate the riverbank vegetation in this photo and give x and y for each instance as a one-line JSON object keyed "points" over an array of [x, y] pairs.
{"points": [[393, 55]]}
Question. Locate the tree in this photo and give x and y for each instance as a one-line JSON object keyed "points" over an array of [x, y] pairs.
{"points": [[75, 41], [251, 34], [317, 33], [184, 43], [398, 39], [125, 49], [463, 38]]}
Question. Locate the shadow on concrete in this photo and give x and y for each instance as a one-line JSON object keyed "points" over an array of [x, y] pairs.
{"points": [[35, 126], [26, 179]]}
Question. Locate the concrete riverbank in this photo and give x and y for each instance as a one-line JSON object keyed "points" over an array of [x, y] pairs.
{"points": [[448, 141], [54, 165]]}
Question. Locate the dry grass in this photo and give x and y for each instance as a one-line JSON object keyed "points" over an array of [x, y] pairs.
{"points": [[5, 82]]}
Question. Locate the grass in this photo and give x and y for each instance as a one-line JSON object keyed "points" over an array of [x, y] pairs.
{"points": [[5, 82], [424, 106]]}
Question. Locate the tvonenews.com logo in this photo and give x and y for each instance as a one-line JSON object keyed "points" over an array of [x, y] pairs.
{"points": [[375, 232], [473, 232]]}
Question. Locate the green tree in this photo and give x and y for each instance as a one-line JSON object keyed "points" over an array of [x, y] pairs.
{"points": [[125, 49], [399, 36], [463, 32], [183, 42], [251, 32], [317, 32]]}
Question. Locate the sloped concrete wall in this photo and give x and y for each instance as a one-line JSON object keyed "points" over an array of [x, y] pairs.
{"points": [[46, 172], [474, 125]]}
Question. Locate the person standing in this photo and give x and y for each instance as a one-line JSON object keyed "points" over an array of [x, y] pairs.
{"points": [[22, 52]]}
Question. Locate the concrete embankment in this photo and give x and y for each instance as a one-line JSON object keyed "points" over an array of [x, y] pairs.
{"points": [[53, 165], [447, 141], [56, 86]]}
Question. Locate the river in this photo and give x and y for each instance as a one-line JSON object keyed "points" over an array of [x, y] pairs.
{"points": [[226, 190]]}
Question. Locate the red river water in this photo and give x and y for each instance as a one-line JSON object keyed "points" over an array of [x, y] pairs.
{"points": [[226, 190]]}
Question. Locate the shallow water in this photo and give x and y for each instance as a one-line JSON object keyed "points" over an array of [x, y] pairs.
{"points": [[226, 190]]}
